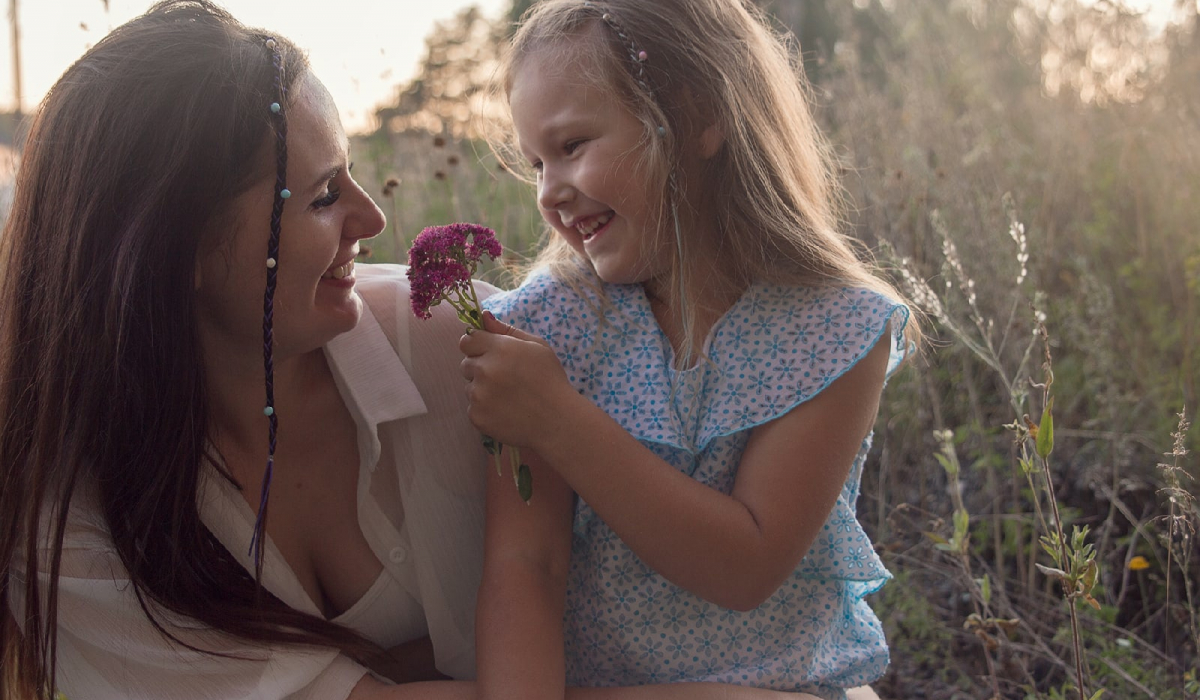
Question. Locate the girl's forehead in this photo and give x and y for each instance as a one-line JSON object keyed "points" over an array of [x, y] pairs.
{"points": [[582, 55]]}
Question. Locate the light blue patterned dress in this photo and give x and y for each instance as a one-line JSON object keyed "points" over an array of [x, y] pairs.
{"points": [[776, 348]]}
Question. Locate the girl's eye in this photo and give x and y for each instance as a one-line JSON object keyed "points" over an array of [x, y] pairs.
{"points": [[328, 199], [572, 146], [537, 167]]}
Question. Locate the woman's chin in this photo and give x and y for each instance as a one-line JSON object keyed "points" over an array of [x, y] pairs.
{"points": [[326, 321]]}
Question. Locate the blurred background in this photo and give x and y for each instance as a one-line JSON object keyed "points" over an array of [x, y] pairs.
{"points": [[1027, 171]]}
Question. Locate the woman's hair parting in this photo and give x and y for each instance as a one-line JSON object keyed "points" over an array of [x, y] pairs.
{"points": [[131, 166], [769, 194]]}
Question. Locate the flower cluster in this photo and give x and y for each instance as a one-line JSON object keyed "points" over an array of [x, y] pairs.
{"points": [[441, 263]]}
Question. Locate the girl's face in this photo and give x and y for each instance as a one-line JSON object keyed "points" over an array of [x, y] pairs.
{"points": [[323, 221], [586, 147]]}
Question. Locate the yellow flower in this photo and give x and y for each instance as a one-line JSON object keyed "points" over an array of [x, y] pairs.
{"points": [[1138, 563]]}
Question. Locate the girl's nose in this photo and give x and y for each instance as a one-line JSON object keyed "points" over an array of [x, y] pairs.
{"points": [[553, 189]]}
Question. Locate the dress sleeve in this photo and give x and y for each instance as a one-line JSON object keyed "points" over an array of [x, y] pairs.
{"points": [[108, 649], [787, 345]]}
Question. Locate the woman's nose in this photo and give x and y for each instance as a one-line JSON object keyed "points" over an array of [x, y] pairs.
{"points": [[553, 188], [368, 219]]}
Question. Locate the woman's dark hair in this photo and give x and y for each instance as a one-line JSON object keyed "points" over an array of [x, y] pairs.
{"points": [[137, 151]]}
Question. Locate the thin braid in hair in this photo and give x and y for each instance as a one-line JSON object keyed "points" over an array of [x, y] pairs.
{"points": [[279, 126], [636, 55]]}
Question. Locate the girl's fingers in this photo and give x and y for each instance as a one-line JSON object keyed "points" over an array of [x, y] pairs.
{"points": [[474, 343], [492, 324]]}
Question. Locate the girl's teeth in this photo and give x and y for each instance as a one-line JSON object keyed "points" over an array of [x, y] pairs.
{"points": [[589, 227], [340, 272]]}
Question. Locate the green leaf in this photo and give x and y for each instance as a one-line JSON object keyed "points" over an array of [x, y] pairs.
{"points": [[962, 522], [937, 539], [1052, 572], [524, 483], [950, 467], [1096, 695], [1045, 434], [1090, 573], [985, 588]]}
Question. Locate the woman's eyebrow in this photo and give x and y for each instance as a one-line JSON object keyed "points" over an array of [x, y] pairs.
{"points": [[325, 177]]}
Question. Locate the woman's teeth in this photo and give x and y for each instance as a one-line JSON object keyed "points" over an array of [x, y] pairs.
{"points": [[339, 272], [588, 228]]}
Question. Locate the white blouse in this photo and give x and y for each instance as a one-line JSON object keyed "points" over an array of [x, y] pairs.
{"points": [[420, 506]]}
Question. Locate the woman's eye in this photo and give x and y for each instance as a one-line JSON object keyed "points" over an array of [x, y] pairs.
{"points": [[328, 199]]}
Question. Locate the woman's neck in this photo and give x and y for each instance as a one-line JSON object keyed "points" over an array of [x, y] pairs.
{"points": [[237, 394]]}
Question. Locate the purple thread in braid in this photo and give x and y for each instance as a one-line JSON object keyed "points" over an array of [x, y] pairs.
{"points": [[279, 126]]}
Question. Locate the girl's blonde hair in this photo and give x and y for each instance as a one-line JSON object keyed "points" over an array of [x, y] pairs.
{"points": [[770, 190]]}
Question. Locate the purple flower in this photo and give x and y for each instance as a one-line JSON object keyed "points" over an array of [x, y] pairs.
{"points": [[441, 262]]}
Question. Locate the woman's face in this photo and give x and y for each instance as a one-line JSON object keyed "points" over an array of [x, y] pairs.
{"points": [[322, 223]]}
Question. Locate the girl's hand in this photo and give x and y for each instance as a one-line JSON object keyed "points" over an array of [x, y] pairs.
{"points": [[515, 383]]}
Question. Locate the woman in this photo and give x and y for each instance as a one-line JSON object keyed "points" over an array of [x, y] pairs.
{"points": [[165, 531], [132, 361]]}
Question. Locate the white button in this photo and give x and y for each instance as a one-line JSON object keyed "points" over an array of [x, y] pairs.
{"points": [[398, 555]]}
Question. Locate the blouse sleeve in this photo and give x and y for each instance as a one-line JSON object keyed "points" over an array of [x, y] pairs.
{"points": [[108, 649]]}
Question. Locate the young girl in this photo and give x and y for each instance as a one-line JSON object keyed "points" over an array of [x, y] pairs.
{"points": [[698, 356]]}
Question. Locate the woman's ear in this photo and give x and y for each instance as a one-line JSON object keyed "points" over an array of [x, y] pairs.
{"points": [[711, 140]]}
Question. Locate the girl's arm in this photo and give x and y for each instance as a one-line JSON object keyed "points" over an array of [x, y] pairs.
{"points": [[519, 614], [371, 689], [734, 550]]}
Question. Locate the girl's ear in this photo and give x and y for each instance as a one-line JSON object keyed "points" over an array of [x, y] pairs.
{"points": [[711, 140]]}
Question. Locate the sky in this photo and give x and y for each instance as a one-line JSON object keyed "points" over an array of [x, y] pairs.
{"points": [[361, 49]]}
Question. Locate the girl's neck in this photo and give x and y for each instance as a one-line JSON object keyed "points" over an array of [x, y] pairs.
{"points": [[706, 307]]}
